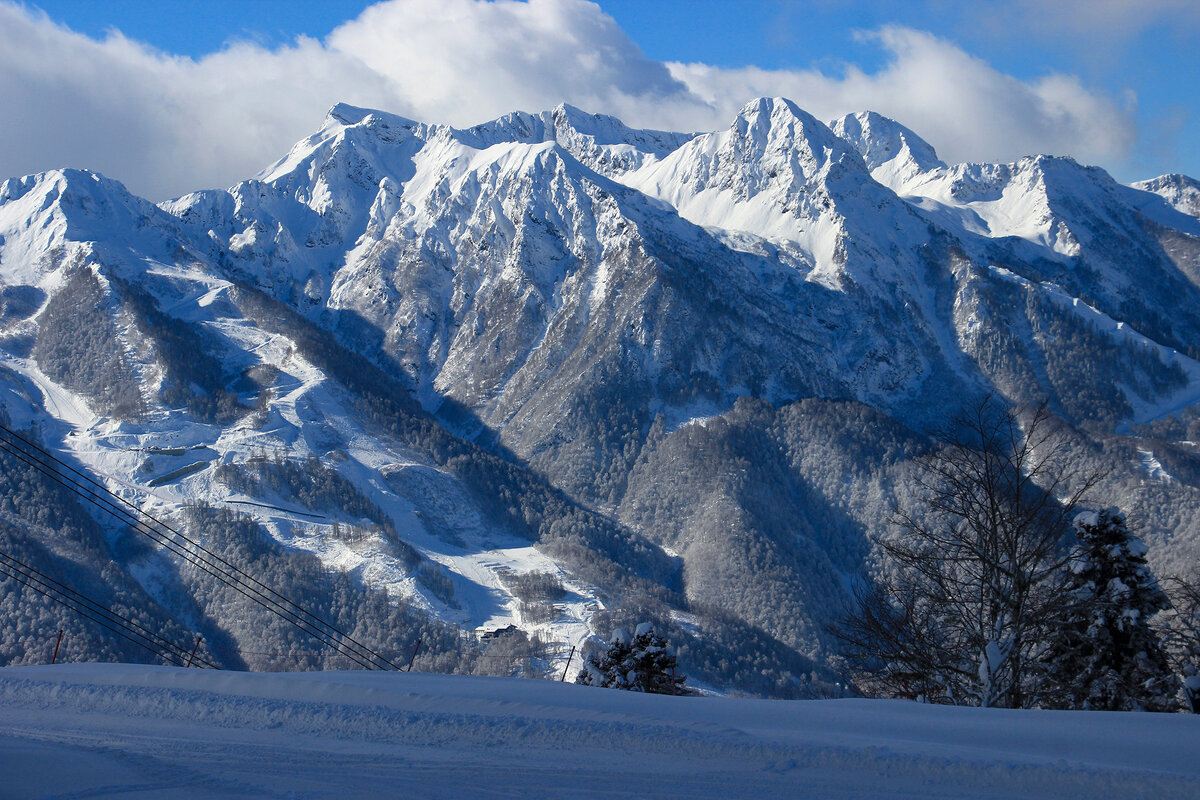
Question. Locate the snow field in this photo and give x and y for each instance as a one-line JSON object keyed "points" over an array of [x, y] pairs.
{"points": [[306, 417], [101, 730]]}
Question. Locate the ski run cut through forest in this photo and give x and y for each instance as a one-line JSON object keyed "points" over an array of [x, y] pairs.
{"points": [[134, 731]]}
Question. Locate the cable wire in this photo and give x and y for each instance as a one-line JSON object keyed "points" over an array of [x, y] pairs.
{"points": [[231, 577], [118, 624], [85, 486], [56, 590], [205, 559]]}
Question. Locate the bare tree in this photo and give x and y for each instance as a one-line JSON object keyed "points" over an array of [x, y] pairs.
{"points": [[1181, 632], [965, 590], [894, 643]]}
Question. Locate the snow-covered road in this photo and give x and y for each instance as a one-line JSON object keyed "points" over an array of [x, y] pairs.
{"points": [[150, 732]]}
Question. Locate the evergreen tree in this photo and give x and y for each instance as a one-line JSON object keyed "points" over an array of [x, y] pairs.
{"points": [[1106, 656], [638, 663]]}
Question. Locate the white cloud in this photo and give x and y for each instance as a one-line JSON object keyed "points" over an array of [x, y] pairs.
{"points": [[162, 124], [166, 124], [463, 61], [965, 108]]}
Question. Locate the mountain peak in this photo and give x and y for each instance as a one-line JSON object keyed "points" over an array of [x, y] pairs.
{"points": [[893, 153], [601, 142], [778, 173], [346, 115], [81, 192], [880, 140], [65, 207], [577, 116], [602, 128], [777, 126], [1180, 191], [770, 106], [765, 112]]}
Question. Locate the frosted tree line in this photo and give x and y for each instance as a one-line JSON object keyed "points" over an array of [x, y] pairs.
{"points": [[995, 586]]}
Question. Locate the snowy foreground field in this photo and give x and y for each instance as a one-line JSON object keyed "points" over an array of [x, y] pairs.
{"points": [[140, 732]]}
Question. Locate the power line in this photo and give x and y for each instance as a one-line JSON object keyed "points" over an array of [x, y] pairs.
{"points": [[223, 576], [83, 485], [171, 539], [53, 587], [90, 609]]}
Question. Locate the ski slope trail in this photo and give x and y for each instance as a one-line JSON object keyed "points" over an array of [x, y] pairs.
{"points": [[134, 731]]}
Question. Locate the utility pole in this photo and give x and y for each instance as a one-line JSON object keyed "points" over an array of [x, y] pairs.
{"points": [[192, 657], [568, 666], [413, 660]]}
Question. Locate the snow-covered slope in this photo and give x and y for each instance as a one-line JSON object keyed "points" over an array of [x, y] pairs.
{"points": [[600, 142], [91, 730], [777, 173], [675, 375], [1182, 192], [894, 154]]}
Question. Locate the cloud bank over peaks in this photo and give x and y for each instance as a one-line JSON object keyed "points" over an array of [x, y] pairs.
{"points": [[166, 125], [966, 109], [465, 61]]}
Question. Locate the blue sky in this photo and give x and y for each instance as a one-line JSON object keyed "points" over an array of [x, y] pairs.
{"points": [[1107, 81], [197, 27]]}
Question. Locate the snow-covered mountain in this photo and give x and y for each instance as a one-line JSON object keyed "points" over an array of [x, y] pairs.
{"points": [[1180, 191], [555, 372]]}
